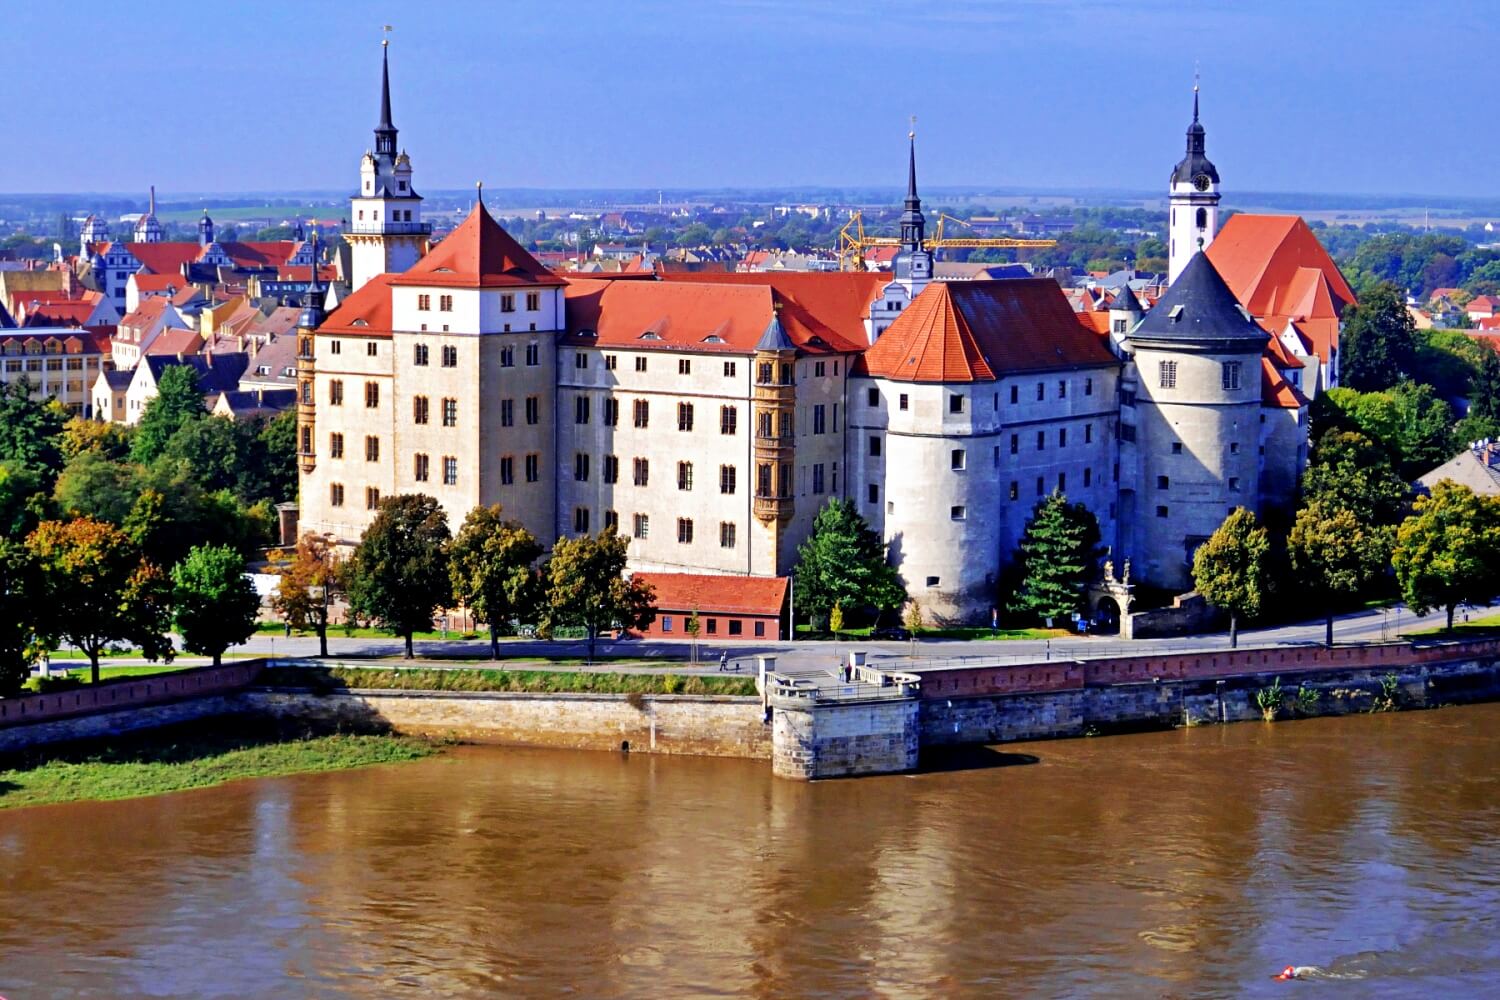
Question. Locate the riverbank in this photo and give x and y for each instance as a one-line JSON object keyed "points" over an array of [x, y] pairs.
{"points": [[192, 755], [340, 677]]}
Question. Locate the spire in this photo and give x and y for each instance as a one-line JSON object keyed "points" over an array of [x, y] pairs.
{"points": [[152, 210], [312, 302], [913, 225], [385, 132]]}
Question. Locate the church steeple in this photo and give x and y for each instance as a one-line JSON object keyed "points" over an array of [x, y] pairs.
{"points": [[913, 264], [1193, 199], [385, 132]]}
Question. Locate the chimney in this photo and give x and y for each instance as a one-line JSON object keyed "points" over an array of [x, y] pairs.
{"points": [[208, 359]]}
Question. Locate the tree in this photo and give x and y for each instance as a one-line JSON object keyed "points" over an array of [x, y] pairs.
{"points": [[108, 440], [692, 627], [492, 572], [1348, 471], [398, 576], [22, 499], [93, 486], [1379, 340], [586, 585], [216, 452], [1058, 555], [278, 450], [178, 401], [1232, 569], [21, 612], [97, 589], [215, 604], [30, 428], [305, 590], [1484, 388], [1409, 421], [1448, 551], [1337, 553], [914, 622], [843, 562], [836, 620]]}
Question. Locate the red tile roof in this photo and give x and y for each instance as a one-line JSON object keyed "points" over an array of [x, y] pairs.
{"points": [[1275, 390], [1483, 303], [980, 330], [365, 313], [831, 307], [478, 254], [1097, 320], [175, 341], [58, 313], [300, 272], [172, 282], [657, 314], [729, 595]]}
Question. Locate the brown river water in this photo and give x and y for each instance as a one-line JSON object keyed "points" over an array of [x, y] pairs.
{"points": [[1182, 864]]}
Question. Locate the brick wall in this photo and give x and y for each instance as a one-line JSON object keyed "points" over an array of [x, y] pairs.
{"points": [[115, 695]]}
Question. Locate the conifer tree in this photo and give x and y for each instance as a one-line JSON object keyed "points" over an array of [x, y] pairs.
{"points": [[1058, 555], [844, 563]]}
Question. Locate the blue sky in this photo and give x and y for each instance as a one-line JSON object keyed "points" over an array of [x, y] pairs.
{"points": [[1370, 96]]}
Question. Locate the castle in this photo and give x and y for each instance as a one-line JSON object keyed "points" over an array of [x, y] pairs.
{"points": [[708, 417]]}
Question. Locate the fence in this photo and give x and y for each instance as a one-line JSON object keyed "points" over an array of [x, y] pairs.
{"points": [[128, 693]]}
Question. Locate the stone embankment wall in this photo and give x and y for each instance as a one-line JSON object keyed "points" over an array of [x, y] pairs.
{"points": [[839, 739], [112, 696], [705, 725]]}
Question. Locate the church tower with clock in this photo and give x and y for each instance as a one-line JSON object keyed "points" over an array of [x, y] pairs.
{"points": [[1194, 201]]}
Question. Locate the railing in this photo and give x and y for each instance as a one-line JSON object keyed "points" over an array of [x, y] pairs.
{"points": [[866, 684]]}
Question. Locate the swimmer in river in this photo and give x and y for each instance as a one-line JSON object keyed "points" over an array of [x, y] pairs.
{"points": [[1295, 972]]}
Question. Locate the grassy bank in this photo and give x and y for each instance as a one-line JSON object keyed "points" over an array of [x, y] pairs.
{"points": [[977, 633], [197, 755], [79, 677], [1477, 627], [534, 681]]}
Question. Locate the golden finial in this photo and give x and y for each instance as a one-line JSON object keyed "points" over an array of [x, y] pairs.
{"points": [[913, 133]]}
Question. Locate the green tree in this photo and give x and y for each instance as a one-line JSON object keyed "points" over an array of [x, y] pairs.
{"points": [[216, 452], [97, 589], [836, 620], [398, 576], [586, 585], [309, 580], [1484, 390], [23, 501], [1348, 471], [914, 623], [1232, 569], [215, 604], [491, 564], [30, 429], [93, 486], [1409, 420], [843, 562], [178, 401], [1448, 551], [278, 453], [1057, 557], [1336, 554], [21, 613], [1378, 345], [693, 626], [108, 440]]}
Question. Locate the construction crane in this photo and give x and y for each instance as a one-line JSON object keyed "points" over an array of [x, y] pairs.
{"points": [[854, 242]]}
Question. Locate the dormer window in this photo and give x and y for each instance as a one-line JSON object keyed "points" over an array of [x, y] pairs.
{"points": [[403, 185]]}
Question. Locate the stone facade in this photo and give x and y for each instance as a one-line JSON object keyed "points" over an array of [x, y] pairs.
{"points": [[843, 739]]}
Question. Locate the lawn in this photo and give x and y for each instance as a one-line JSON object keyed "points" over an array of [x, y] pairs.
{"points": [[195, 755], [1484, 625], [80, 676], [364, 632], [978, 633], [533, 681]]}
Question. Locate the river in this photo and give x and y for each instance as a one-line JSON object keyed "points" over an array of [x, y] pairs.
{"points": [[1183, 864]]}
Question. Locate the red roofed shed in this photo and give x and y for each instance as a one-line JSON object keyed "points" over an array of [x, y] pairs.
{"points": [[729, 607]]}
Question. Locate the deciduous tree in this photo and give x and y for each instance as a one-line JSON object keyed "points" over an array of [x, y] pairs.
{"points": [[178, 401], [30, 429], [109, 440], [491, 564], [1057, 557], [21, 615], [1448, 551], [586, 586], [844, 562], [398, 575], [215, 604], [1337, 553], [1232, 569], [1378, 345], [308, 582], [1348, 471]]}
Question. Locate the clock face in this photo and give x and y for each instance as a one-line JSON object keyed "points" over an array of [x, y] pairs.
{"points": [[1201, 182]]}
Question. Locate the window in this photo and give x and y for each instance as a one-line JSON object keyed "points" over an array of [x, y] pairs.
{"points": [[1088, 433], [1062, 437], [450, 412], [1127, 432], [372, 349], [609, 362], [904, 402], [642, 472], [1015, 444], [1015, 394], [1230, 374], [736, 627], [819, 369], [1088, 477], [533, 301], [372, 448], [306, 446], [958, 512], [872, 397], [1062, 388], [760, 630], [727, 479], [335, 446], [424, 303], [611, 413], [1062, 482], [507, 303], [729, 419], [1234, 484], [1041, 440], [533, 410], [1041, 391], [1088, 386], [1202, 218], [642, 411], [507, 412], [1177, 447], [612, 520], [507, 471], [445, 303], [956, 403], [581, 520], [730, 367], [580, 467], [1161, 511], [642, 526], [419, 468], [335, 347], [336, 392], [684, 366], [1041, 487], [419, 354], [874, 446], [580, 360], [1163, 482], [684, 416], [817, 478], [1015, 490], [713, 626], [932, 581], [640, 364], [666, 623], [684, 531], [533, 468], [533, 355], [336, 494], [507, 357], [581, 410], [372, 498], [820, 419], [419, 409], [450, 356], [958, 459], [372, 395], [684, 475], [611, 469], [1167, 370], [873, 493], [763, 481], [1234, 447]]}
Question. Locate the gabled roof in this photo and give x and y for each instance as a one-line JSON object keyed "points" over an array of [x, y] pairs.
{"points": [[366, 312], [982, 330], [727, 595], [657, 314], [820, 310], [175, 341], [1199, 308], [1275, 390], [478, 254], [216, 372], [1260, 257]]}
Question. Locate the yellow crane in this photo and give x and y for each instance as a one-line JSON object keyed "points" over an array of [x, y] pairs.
{"points": [[854, 241]]}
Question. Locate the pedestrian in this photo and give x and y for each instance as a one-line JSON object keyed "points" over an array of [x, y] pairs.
{"points": [[723, 661], [288, 626]]}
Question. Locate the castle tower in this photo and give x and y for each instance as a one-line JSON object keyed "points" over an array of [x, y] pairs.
{"points": [[774, 402], [913, 264], [386, 232], [307, 412], [205, 230], [1193, 201], [147, 228], [95, 230]]}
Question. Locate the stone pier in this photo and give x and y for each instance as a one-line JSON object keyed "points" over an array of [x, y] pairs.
{"points": [[867, 724]]}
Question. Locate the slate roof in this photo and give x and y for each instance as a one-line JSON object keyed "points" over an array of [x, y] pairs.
{"points": [[216, 372], [1199, 308]]}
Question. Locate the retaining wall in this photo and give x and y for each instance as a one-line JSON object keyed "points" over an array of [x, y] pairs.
{"points": [[839, 739], [112, 696]]}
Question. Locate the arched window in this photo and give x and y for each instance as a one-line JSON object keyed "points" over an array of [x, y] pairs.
{"points": [[1202, 218]]}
